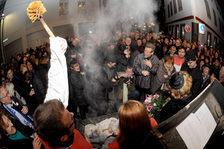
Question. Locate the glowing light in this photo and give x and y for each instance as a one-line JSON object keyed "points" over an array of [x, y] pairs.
{"points": [[152, 24]]}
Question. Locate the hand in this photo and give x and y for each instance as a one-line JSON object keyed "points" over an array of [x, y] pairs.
{"points": [[148, 63], [24, 110], [32, 92], [82, 73], [165, 76], [145, 73], [125, 75], [36, 142], [113, 80]]}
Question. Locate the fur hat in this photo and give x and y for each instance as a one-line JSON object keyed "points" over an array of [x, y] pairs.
{"points": [[176, 81]]}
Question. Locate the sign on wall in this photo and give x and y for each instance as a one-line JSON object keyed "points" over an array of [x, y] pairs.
{"points": [[187, 28], [201, 28]]}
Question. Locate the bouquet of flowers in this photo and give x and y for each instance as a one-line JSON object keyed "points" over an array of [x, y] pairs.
{"points": [[154, 103]]}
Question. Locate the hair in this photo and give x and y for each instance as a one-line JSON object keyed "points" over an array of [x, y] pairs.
{"points": [[1, 87], [185, 90], [48, 124], [181, 47], [168, 59], [22, 66], [134, 123], [172, 48], [150, 45], [10, 87], [2, 123]]}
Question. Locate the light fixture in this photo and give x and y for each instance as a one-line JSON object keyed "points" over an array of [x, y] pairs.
{"points": [[81, 3]]}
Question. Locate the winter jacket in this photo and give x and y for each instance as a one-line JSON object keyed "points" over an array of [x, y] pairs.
{"points": [[139, 66]]}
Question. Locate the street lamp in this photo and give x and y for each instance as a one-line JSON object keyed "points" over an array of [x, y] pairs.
{"points": [[2, 36]]}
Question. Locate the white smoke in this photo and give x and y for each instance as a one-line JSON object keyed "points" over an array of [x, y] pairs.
{"points": [[117, 15], [126, 12]]}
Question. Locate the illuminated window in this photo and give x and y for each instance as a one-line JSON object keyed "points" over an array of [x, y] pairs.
{"points": [[209, 38], [63, 7]]}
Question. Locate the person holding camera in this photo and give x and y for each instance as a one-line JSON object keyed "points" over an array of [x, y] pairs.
{"points": [[125, 79]]}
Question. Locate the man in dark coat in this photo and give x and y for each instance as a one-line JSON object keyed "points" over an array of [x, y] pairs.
{"points": [[145, 67], [193, 69], [77, 89]]}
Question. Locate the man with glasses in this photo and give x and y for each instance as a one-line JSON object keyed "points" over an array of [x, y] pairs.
{"points": [[193, 69], [145, 67], [55, 127]]}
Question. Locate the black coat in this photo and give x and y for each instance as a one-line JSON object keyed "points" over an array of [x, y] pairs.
{"points": [[97, 86], [197, 78], [77, 88], [171, 108], [40, 82]]}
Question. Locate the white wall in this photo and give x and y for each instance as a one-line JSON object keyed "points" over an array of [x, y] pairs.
{"points": [[18, 25], [187, 10], [197, 8]]}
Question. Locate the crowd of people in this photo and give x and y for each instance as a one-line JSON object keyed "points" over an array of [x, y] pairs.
{"points": [[101, 74]]}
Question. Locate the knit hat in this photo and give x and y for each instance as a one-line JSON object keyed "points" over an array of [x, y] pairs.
{"points": [[176, 81]]}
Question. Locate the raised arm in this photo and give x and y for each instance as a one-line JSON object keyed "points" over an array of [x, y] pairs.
{"points": [[57, 74]]}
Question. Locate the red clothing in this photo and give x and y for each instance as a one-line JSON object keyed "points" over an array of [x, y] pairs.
{"points": [[78, 143], [153, 122], [115, 145], [178, 61]]}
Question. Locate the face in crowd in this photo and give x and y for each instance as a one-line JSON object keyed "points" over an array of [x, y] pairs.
{"points": [[5, 96], [181, 53], [148, 52]]}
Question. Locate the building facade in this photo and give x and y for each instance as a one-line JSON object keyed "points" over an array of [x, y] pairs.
{"points": [[195, 20]]}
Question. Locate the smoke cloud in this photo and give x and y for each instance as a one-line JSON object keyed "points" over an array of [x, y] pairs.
{"points": [[115, 15], [125, 13]]}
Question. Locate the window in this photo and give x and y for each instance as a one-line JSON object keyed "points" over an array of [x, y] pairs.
{"points": [[182, 31], [208, 39], [168, 10], [171, 9], [173, 30], [63, 7], [215, 17], [180, 5], [215, 42], [175, 6], [207, 9], [178, 31]]}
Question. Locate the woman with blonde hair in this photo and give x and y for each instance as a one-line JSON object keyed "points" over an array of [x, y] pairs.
{"points": [[135, 128], [180, 84]]}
